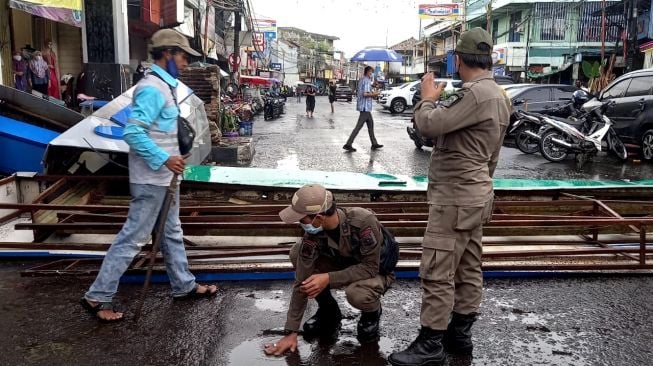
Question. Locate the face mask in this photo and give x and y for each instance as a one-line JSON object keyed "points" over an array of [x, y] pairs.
{"points": [[17, 57], [39, 58], [172, 68], [310, 229]]}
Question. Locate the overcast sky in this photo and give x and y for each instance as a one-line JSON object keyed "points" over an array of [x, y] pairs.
{"points": [[358, 23]]}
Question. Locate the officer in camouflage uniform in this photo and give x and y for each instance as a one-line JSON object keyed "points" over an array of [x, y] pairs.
{"points": [[468, 129], [342, 247]]}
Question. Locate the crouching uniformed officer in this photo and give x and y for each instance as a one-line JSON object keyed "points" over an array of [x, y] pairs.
{"points": [[341, 247], [468, 130]]}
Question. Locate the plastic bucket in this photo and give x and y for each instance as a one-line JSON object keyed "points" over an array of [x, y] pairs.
{"points": [[246, 128]]}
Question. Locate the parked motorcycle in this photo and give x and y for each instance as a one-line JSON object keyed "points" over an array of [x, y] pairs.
{"points": [[558, 138], [526, 128], [274, 106]]}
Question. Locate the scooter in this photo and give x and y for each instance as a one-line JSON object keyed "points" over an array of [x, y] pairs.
{"points": [[413, 131], [558, 138]]}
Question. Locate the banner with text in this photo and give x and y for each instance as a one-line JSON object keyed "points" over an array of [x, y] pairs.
{"points": [[442, 11]]}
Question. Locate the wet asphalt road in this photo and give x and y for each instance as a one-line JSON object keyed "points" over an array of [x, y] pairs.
{"points": [[294, 141], [546, 321], [594, 320]]}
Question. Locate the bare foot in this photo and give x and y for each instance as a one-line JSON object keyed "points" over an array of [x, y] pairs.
{"points": [[202, 289], [106, 314]]}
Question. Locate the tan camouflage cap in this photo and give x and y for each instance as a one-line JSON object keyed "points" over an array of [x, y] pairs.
{"points": [[311, 199]]}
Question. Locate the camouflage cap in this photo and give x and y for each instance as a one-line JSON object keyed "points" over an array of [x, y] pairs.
{"points": [[311, 199], [469, 41]]}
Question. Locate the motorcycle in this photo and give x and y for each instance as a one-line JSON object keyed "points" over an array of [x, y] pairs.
{"points": [[558, 138], [413, 131], [273, 107], [525, 127]]}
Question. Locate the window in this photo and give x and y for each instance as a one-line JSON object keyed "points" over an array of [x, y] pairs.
{"points": [[553, 20], [562, 93], [640, 86], [515, 25], [495, 30], [617, 90], [536, 95]]}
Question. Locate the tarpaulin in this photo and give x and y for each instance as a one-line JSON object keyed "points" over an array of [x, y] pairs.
{"points": [[63, 11]]}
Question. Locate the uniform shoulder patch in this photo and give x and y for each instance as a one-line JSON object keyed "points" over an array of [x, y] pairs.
{"points": [[453, 99], [309, 248], [368, 240]]}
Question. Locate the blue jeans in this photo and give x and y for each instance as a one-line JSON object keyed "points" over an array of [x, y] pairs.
{"points": [[144, 208]]}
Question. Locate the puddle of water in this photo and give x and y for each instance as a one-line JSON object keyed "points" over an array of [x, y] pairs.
{"points": [[276, 305], [346, 351], [290, 162], [41, 352], [251, 353]]}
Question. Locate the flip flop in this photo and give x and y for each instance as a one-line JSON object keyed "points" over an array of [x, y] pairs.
{"points": [[193, 294], [100, 306]]}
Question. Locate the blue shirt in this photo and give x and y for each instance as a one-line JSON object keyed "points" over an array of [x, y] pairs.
{"points": [[363, 103], [148, 108]]}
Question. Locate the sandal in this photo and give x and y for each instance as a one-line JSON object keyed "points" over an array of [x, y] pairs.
{"points": [[193, 294], [94, 309]]}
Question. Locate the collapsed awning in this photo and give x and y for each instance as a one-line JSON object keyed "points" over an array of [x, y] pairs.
{"points": [[548, 71], [62, 11]]}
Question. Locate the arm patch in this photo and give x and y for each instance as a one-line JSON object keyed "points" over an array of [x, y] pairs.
{"points": [[309, 248], [368, 241]]}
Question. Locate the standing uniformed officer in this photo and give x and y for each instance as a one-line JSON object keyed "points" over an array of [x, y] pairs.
{"points": [[342, 247], [468, 130]]}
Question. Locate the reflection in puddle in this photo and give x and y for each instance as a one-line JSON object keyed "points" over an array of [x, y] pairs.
{"points": [[276, 305], [346, 351]]}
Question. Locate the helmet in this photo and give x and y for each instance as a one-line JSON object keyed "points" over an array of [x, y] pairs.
{"points": [[579, 98]]}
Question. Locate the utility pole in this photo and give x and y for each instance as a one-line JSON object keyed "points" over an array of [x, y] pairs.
{"points": [[528, 45], [602, 31], [488, 25], [237, 41]]}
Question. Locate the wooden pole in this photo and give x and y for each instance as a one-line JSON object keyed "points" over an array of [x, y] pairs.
{"points": [[602, 31]]}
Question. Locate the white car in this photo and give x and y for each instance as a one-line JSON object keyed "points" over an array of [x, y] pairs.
{"points": [[399, 98]]}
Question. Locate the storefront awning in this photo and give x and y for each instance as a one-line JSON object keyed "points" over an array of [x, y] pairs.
{"points": [[62, 11]]}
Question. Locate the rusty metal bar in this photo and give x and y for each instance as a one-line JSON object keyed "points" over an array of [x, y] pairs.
{"points": [[642, 245], [45, 194], [277, 207]]}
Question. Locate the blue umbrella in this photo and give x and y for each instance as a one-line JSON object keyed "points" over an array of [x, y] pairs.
{"points": [[377, 54]]}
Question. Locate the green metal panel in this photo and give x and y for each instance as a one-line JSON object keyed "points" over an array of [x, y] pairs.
{"points": [[372, 181]]}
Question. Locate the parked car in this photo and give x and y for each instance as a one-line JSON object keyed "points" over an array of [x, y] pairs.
{"points": [[398, 99], [632, 110], [344, 92], [539, 98]]}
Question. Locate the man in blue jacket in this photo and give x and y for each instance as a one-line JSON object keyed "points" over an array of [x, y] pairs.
{"points": [[153, 160]]}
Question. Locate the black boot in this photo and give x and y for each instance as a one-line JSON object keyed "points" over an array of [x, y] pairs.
{"points": [[326, 320], [458, 338], [426, 350], [368, 326]]}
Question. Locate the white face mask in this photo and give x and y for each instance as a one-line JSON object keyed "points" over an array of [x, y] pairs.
{"points": [[39, 58], [17, 57]]}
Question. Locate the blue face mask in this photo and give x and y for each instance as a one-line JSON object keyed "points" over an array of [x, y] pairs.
{"points": [[310, 229], [172, 68]]}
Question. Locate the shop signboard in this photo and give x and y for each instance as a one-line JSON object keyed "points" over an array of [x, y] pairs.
{"points": [[441, 10]]}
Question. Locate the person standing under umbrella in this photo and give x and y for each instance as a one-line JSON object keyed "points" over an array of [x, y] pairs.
{"points": [[310, 101], [364, 104]]}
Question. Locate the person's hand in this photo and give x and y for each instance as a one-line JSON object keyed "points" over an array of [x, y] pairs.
{"points": [[430, 91], [176, 164], [315, 284], [286, 343]]}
